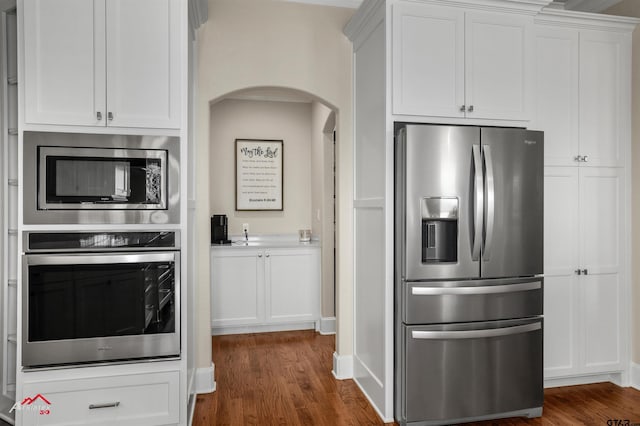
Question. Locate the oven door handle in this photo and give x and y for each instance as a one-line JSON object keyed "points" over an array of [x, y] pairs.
{"points": [[475, 334], [99, 258], [489, 289]]}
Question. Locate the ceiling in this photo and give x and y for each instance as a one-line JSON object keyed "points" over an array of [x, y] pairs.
{"points": [[582, 5]]}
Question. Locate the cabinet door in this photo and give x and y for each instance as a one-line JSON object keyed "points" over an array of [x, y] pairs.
{"points": [[556, 93], [604, 96], [497, 66], [601, 210], [428, 60], [64, 63], [561, 283], [293, 285], [143, 63], [237, 288]]}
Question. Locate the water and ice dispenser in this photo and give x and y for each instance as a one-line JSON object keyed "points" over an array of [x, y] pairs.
{"points": [[439, 229]]}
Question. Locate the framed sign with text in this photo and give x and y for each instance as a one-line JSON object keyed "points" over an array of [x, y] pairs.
{"points": [[259, 174]]}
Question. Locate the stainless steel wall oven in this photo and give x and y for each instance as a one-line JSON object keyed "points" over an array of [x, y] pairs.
{"points": [[82, 178], [100, 296]]}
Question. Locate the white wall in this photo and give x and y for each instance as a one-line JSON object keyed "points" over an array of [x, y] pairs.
{"points": [[269, 43], [632, 8], [322, 196], [247, 119]]}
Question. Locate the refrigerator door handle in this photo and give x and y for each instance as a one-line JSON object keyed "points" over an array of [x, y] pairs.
{"points": [[489, 289], [490, 189], [475, 334], [478, 203]]}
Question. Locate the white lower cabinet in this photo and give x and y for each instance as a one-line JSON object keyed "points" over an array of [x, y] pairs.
{"points": [[266, 286], [138, 400], [584, 288]]}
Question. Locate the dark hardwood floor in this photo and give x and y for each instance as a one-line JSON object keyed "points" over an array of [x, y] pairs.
{"points": [[285, 379]]}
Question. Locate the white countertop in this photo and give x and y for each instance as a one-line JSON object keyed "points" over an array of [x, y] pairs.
{"points": [[267, 241]]}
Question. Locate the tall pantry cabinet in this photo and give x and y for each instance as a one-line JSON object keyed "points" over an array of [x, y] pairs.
{"points": [[583, 86], [111, 67]]}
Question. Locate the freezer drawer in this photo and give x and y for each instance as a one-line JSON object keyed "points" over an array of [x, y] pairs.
{"points": [[467, 371], [432, 302]]}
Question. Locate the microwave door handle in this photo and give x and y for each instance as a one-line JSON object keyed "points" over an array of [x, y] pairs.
{"points": [[478, 202], [491, 212]]}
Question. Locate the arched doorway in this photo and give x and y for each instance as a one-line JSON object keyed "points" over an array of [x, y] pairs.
{"points": [[309, 124]]}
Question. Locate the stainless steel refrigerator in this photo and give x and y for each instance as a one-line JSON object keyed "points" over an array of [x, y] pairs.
{"points": [[468, 265]]}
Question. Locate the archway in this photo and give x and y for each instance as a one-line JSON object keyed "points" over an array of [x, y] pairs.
{"points": [[260, 104]]}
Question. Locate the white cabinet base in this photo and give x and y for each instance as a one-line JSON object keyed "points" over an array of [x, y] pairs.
{"points": [[265, 288]]}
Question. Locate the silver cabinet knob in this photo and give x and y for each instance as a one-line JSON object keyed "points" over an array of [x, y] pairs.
{"points": [[578, 272], [470, 109], [585, 158], [585, 272], [463, 108], [99, 116], [260, 255], [110, 116]]}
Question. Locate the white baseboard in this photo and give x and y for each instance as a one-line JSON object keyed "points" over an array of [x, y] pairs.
{"points": [[635, 375], [327, 325], [266, 328], [342, 366], [205, 382], [372, 388], [584, 380]]}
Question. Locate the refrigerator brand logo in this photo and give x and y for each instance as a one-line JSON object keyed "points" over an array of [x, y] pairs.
{"points": [[38, 403], [528, 142]]}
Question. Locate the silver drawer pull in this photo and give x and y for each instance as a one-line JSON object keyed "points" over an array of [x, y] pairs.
{"points": [[489, 289], [105, 405], [475, 334]]}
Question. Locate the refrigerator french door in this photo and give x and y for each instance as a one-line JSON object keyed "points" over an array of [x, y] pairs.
{"points": [[469, 226]]}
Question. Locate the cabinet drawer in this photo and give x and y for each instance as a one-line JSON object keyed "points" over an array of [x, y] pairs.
{"points": [[469, 370], [474, 300], [139, 399]]}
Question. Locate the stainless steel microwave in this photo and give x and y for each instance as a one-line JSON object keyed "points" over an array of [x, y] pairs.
{"points": [[100, 179]]}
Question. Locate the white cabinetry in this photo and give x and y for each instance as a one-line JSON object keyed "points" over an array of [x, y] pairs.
{"points": [[258, 288], [582, 87], [102, 63], [450, 62], [582, 94], [237, 287], [137, 400], [584, 264]]}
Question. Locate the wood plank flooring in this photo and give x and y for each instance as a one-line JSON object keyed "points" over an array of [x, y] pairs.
{"points": [[285, 379]]}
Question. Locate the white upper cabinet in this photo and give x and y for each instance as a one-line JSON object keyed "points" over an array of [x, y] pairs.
{"points": [[582, 87], [102, 62], [605, 84], [428, 60], [64, 75], [556, 93], [449, 62]]}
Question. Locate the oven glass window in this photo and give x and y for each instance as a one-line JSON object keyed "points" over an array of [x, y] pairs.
{"points": [[74, 180], [100, 300]]}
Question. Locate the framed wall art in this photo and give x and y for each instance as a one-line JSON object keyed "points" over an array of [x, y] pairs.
{"points": [[259, 174]]}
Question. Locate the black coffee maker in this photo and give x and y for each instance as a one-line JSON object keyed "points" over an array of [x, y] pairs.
{"points": [[219, 229]]}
